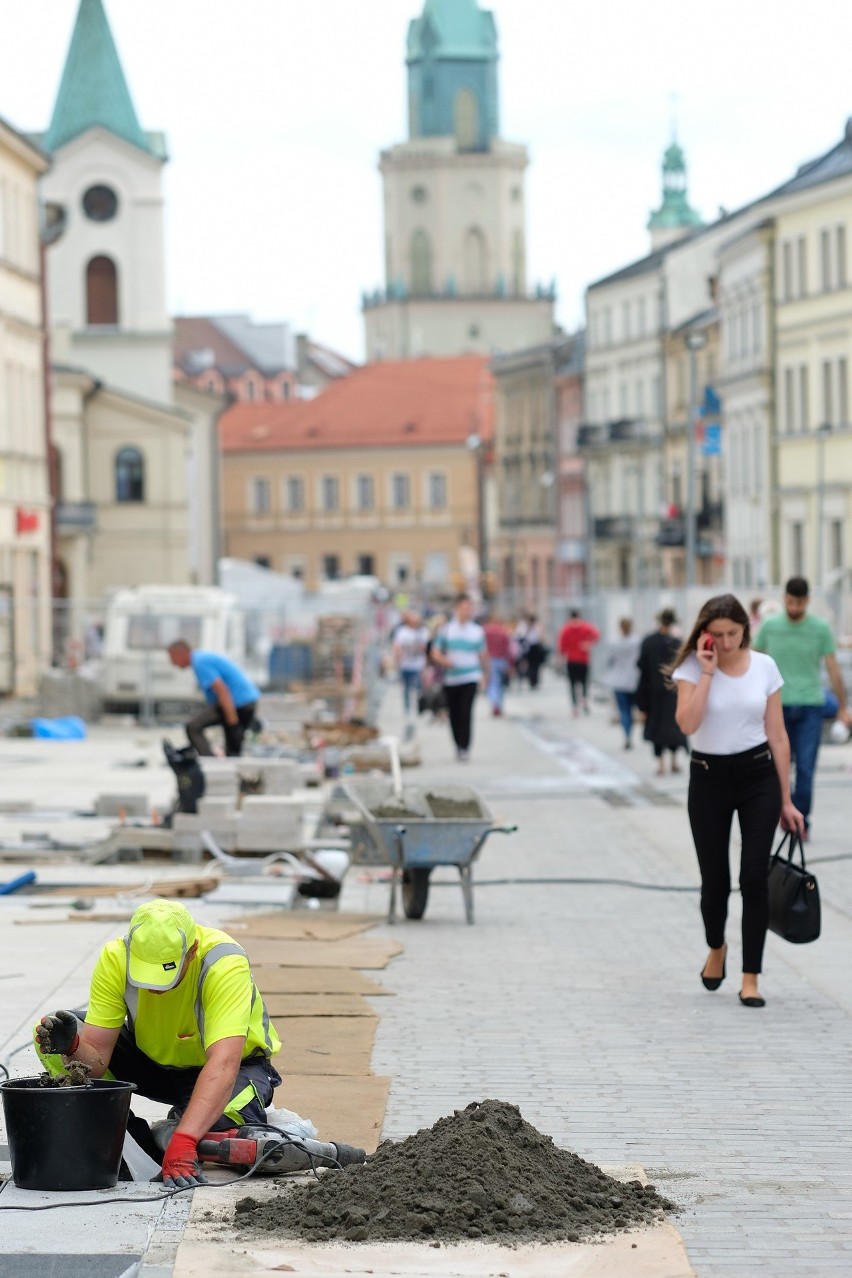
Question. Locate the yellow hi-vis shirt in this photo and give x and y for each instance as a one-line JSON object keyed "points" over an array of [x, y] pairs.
{"points": [[216, 999]]}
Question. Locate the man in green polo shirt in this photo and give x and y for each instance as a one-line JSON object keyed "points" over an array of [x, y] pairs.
{"points": [[799, 642], [174, 1009]]}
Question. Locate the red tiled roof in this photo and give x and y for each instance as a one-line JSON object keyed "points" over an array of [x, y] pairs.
{"points": [[399, 402]]}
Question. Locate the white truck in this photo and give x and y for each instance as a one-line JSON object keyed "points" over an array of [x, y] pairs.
{"points": [[137, 675]]}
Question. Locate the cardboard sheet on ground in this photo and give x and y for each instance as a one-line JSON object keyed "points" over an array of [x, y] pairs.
{"points": [[314, 980], [344, 1108], [302, 925], [657, 1252], [325, 1045], [357, 953], [316, 1005]]}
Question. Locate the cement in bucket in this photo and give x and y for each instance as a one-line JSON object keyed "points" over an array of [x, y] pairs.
{"points": [[65, 1138]]}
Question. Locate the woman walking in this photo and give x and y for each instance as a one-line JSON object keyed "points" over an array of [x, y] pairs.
{"points": [[655, 697], [622, 675], [729, 702]]}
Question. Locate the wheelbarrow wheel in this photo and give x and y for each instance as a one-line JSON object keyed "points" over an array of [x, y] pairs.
{"points": [[415, 891]]}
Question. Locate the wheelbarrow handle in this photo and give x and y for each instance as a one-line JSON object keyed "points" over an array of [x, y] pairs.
{"points": [[508, 828]]}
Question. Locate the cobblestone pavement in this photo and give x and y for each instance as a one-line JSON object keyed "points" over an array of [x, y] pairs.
{"points": [[576, 994]]}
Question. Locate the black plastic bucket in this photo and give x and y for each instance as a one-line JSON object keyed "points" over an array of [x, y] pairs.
{"points": [[65, 1137]]}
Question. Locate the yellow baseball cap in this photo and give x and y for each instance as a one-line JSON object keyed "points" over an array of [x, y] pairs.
{"points": [[160, 935]]}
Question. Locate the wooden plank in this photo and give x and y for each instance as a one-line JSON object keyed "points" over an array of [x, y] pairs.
{"points": [[319, 980], [343, 1108], [316, 1005], [357, 953], [302, 925], [325, 1045]]}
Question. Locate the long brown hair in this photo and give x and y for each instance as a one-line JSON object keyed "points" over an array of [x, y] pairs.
{"points": [[719, 608]]}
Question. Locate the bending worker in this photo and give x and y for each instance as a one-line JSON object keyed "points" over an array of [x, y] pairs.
{"points": [[231, 696], [174, 1009]]}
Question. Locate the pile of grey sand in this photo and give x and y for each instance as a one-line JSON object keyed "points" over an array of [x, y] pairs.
{"points": [[482, 1173]]}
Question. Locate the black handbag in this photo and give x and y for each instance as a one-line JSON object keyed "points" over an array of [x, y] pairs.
{"points": [[794, 909]]}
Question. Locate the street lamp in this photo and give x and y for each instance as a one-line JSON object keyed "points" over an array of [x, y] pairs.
{"points": [[694, 343], [476, 444], [822, 433]]}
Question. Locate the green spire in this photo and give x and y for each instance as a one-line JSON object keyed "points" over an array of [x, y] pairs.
{"points": [[93, 92], [675, 210], [453, 29]]}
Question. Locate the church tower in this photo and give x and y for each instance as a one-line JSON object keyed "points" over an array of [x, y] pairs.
{"points": [[106, 266], [675, 218], [455, 224]]}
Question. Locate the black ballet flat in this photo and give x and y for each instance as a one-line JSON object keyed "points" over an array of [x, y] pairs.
{"points": [[713, 982], [752, 1001]]}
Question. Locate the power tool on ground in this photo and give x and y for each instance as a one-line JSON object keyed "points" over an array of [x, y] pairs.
{"points": [[269, 1152]]}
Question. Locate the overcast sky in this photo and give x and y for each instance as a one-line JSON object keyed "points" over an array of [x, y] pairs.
{"points": [[275, 112]]}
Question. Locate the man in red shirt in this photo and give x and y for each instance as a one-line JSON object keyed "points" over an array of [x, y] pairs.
{"points": [[498, 641], [576, 640]]}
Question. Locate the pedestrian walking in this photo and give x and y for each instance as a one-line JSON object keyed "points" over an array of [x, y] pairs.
{"points": [[729, 702], [577, 638], [622, 675], [799, 642], [520, 646], [498, 643], [536, 650], [461, 650], [409, 654], [655, 697]]}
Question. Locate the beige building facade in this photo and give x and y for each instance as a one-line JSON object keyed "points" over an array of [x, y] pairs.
{"points": [[25, 506]]}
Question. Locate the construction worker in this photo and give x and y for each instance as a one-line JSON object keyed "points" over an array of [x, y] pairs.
{"points": [[230, 694], [174, 1009]]}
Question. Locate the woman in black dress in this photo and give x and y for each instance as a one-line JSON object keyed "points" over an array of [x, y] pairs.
{"points": [[656, 696]]}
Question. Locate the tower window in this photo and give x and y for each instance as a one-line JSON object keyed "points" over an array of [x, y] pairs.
{"points": [[419, 194], [467, 120], [421, 264], [101, 291], [100, 203], [129, 475], [474, 260]]}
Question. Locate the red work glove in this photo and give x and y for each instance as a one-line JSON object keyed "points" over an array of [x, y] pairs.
{"points": [[181, 1168]]}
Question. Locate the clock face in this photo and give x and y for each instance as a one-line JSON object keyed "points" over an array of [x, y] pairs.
{"points": [[100, 203]]}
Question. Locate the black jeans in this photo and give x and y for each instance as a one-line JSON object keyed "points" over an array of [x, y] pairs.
{"points": [[212, 715], [578, 677], [720, 785], [460, 699]]}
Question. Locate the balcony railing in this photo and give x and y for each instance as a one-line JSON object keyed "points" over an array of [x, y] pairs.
{"points": [[76, 516], [672, 535], [614, 528]]}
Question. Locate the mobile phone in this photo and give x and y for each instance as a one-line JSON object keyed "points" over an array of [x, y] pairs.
{"points": [[708, 643]]}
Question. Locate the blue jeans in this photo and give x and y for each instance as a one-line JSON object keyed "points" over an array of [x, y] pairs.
{"points": [[625, 702], [497, 681], [411, 683], [804, 728]]}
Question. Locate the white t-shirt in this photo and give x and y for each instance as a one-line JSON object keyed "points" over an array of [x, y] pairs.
{"points": [[736, 705], [410, 645]]}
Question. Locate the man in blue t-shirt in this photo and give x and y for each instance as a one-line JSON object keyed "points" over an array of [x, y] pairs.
{"points": [[230, 694]]}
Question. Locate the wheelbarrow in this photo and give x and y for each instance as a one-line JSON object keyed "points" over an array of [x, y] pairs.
{"points": [[414, 830]]}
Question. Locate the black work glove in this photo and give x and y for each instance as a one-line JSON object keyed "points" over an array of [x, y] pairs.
{"points": [[234, 733], [58, 1034]]}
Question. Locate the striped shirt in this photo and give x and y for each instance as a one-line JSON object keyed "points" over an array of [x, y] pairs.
{"points": [[462, 642]]}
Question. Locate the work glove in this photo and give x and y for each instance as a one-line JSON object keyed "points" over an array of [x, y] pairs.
{"points": [[57, 1034], [181, 1168], [234, 733]]}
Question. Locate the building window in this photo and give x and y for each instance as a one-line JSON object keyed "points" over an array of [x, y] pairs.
{"points": [[421, 264], [835, 545], [400, 492], [331, 567], [474, 260], [100, 203], [787, 270], [641, 318], [640, 398], [825, 260], [294, 493], [797, 549], [840, 242], [129, 475], [519, 269], [365, 497], [467, 120], [789, 401], [101, 291], [366, 566], [804, 399], [437, 491], [803, 266], [329, 493], [843, 392], [827, 397], [259, 496]]}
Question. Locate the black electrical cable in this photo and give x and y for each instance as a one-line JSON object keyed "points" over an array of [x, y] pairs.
{"points": [[219, 1184], [5, 1071]]}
